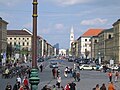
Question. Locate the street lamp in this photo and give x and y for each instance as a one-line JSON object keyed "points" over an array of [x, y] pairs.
{"points": [[34, 80]]}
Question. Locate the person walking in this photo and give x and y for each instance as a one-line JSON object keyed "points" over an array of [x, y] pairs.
{"points": [[54, 72], [67, 87], [103, 87], [25, 82], [72, 86], [116, 76], [16, 86], [8, 87], [111, 86], [19, 79], [41, 67], [54, 88], [58, 72], [110, 76], [74, 75], [66, 72], [58, 81], [97, 87], [78, 76]]}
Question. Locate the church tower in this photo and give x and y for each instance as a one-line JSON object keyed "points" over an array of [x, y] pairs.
{"points": [[71, 36]]}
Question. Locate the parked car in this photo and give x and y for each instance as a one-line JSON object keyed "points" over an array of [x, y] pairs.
{"points": [[86, 67], [53, 65]]}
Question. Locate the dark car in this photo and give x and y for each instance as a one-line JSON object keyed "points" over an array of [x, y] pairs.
{"points": [[40, 59], [53, 65], [71, 59]]}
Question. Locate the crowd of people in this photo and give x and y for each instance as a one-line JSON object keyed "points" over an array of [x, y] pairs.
{"points": [[23, 84], [111, 86], [19, 85], [68, 72]]}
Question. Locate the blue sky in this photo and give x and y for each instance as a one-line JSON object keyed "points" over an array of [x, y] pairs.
{"points": [[56, 17]]}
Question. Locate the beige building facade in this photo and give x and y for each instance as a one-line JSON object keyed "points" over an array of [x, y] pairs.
{"points": [[116, 41], [3, 36]]}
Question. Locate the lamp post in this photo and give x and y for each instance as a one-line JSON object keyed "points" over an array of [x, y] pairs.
{"points": [[34, 80]]}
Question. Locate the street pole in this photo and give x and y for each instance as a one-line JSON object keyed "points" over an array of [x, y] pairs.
{"points": [[34, 80]]}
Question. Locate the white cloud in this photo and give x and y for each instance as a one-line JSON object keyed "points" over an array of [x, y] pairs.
{"points": [[71, 2], [94, 21], [59, 26]]}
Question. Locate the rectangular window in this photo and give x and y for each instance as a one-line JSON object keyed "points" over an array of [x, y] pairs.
{"points": [[27, 43], [23, 44], [85, 39], [14, 43]]}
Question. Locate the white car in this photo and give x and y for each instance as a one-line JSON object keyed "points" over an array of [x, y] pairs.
{"points": [[86, 67]]}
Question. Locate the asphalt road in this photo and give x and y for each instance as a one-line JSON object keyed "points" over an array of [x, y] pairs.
{"points": [[88, 78]]}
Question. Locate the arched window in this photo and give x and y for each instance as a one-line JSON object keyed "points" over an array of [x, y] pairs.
{"points": [[109, 36], [95, 41]]}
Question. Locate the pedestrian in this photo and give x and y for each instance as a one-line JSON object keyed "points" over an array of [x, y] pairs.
{"points": [[25, 82], [110, 76], [116, 76], [54, 72], [74, 75], [103, 87], [19, 79], [44, 88], [111, 86], [97, 87], [66, 72], [78, 76], [16, 86], [54, 88], [58, 81], [8, 87], [72, 86], [41, 67], [67, 87], [71, 70], [22, 87], [58, 72], [62, 88]]}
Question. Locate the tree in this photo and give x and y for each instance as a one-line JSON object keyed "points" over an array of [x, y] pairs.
{"points": [[86, 53]]}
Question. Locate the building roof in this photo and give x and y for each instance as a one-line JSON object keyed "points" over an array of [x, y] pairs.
{"points": [[18, 32], [117, 22], [92, 32], [1, 20]]}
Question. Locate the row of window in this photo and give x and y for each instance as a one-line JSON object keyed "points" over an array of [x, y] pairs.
{"points": [[87, 39], [19, 38], [23, 44]]}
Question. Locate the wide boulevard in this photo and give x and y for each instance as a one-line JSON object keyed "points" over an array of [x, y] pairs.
{"points": [[88, 78]]}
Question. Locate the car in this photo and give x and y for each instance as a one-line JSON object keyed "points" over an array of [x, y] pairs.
{"points": [[71, 59], [86, 67], [53, 65], [114, 67], [40, 59]]}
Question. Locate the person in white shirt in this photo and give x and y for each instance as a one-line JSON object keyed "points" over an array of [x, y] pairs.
{"points": [[19, 79], [58, 81]]}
